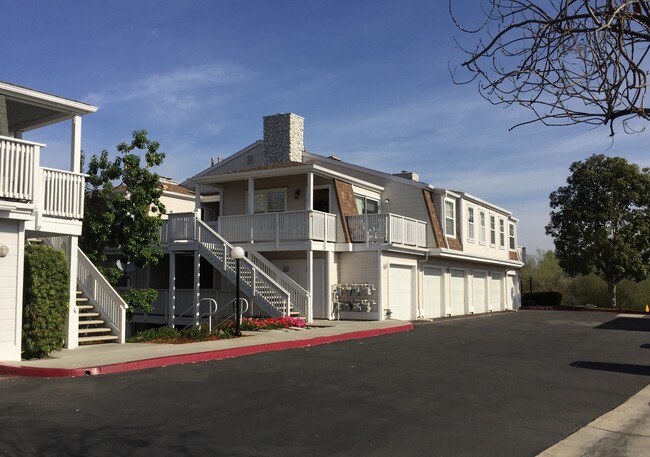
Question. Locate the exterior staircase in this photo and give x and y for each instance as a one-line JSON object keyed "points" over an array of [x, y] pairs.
{"points": [[257, 282], [92, 328]]}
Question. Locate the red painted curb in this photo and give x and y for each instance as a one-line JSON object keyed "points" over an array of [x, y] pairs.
{"points": [[18, 370]]}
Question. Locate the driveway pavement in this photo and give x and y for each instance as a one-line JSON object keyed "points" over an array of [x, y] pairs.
{"points": [[510, 384]]}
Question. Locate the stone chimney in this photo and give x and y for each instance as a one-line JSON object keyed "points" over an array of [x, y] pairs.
{"points": [[283, 138]]}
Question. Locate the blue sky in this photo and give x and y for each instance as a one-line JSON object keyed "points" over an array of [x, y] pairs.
{"points": [[370, 77]]}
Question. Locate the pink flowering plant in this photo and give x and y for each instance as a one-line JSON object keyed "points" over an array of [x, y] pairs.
{"points": [[270, 323]]}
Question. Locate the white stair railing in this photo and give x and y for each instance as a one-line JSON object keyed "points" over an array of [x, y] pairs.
{"points": [[218, 252], [300, 298], [97, 289]]}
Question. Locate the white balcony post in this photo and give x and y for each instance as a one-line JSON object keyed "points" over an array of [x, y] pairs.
{"points": [[75, 153], [72, 340], [197, 200], [251, 196], [197, 286], [310, 284], [171, 304], [309, 200]]}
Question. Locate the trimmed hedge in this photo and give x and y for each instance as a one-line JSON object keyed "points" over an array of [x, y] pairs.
{"points": [[46, 296], [541, 299]]}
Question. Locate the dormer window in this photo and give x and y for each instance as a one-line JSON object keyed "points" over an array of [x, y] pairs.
{"points": [[471, 227], [512, 237], [450, 218]]}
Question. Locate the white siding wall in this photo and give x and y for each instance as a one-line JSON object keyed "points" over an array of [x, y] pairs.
{"points": [[360, 267], [11, 287]]}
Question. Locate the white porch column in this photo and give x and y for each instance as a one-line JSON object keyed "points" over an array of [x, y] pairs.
{"points": [[197, 201], [251, 196], [381, 290], [75, 153], [72, 341], [309, 198], [197, 286], [329, 264], [310, 285], [171, 300], [4, 123]]}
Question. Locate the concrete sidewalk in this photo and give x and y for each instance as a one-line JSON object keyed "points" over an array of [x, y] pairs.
{"points": [[624, 431], [118, 358]]}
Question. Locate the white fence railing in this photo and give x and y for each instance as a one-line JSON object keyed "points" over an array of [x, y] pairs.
{"points": [[63, 193], [276, 227], [184, 300], [300, 298], [18, 165], [388, 228], [92, 283]]}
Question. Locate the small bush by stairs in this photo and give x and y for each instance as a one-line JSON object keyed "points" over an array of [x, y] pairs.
{"points": [[92, 328]]}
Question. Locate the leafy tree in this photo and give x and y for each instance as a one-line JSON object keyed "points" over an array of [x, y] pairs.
{"points": [[123, 210], [600, 221], [568, 61]]}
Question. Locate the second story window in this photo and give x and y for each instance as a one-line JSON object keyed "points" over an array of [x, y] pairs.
{"points": [[502, 233], [511, 238], [366, 205], [470, 223], [493, 230], [450, 218], [270, 201], [482, 222]]}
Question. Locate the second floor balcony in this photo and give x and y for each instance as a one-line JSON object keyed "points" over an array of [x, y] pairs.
{"points": [[55, 193], [389, 229], [278, 227]]}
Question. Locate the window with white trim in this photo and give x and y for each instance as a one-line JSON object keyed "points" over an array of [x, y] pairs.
{"points": [[470, 224], [502, 233], [450, 218], [512, 237], [366, 205], [482, 221], [270, 201], [493, 230]]}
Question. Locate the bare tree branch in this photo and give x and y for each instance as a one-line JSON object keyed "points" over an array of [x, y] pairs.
{"points": [[567, 61]]}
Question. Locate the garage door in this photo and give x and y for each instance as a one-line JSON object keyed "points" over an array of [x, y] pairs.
{"points": [[457, 292], [479, 292], [432, 289], [497, 292], [400, 292]]}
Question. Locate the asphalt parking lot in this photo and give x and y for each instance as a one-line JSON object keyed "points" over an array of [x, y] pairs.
{"points": [[508, 384]]}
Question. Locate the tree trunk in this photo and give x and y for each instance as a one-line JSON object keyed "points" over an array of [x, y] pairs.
{"points": [[611, 291]]}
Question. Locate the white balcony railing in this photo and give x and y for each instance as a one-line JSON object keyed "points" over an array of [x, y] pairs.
{"points": [[388, 228], [63, 193], [276, 227], [18, 165], [58, 193]]}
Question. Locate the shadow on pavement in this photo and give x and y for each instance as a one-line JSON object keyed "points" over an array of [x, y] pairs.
{"points": [[643, 370], [626, 323], [645, 346]]}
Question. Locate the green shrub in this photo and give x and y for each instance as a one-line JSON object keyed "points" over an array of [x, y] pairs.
{"points": [[542, 299], [160, 333], [46, 296]]}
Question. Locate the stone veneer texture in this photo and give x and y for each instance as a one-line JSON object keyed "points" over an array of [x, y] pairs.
{"points": [[283, 138]]}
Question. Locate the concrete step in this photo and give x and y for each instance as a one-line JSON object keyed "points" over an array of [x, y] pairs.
{"points": [[95, 330], [92, 322], [81, 299], [84, 307], [88, 314], [97, 339]]}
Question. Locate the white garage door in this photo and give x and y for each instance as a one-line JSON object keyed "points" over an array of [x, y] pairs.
{"points": [[497, 292], [457, 292], [400, 292], [479, 292], [432, 289]]}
